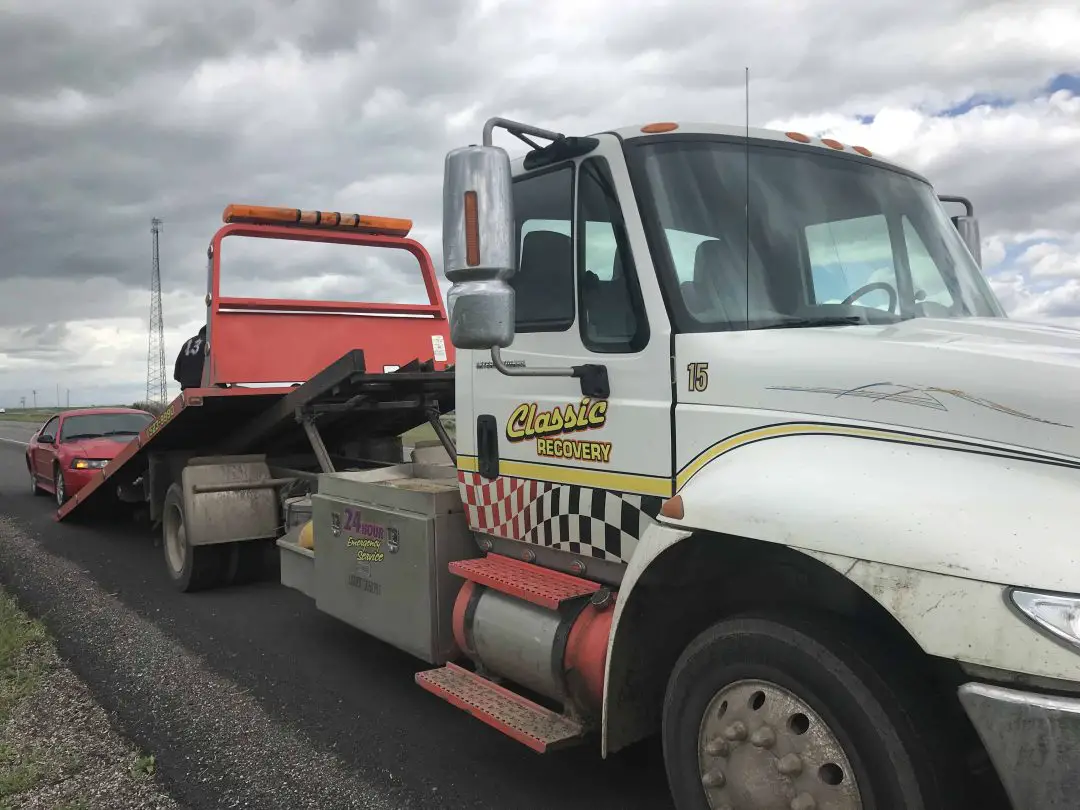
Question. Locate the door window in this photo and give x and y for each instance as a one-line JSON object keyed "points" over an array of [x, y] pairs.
{"points": [[50, 427], [612, 315], [544, 281]]}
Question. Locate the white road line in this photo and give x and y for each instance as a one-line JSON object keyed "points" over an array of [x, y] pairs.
{"points": [[13, 441]]}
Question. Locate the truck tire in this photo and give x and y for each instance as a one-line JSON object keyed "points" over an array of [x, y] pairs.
{"points": [[771, 712], [191, 568]]}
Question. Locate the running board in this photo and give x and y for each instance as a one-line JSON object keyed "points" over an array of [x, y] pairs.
{"points": [[532, 583], [538, 728]]}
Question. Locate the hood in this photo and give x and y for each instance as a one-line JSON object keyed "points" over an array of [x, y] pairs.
{"points": [[98, 448], [987, 379]]}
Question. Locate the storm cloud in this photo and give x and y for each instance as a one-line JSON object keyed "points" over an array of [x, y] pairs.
{"points": [[116, 112]]}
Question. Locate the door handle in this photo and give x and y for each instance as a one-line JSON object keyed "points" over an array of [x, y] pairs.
{"points": [[487, 446]]}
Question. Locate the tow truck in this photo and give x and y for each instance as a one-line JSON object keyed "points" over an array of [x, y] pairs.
{"points": [[747, 455]]}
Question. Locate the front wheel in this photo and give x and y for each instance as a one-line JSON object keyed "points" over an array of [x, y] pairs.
{"points": [[60, 488], [782, 714]]}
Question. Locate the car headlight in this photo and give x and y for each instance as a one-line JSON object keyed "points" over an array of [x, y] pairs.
{"points": [[1058, 614], [89, 463]]}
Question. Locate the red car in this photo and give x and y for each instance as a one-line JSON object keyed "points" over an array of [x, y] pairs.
{"points": [[73, 445]]}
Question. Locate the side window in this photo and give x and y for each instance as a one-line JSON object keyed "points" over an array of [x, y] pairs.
{"points": [[926, 278], [612, 315], [50, 427], [848, 254], [544, 281]]}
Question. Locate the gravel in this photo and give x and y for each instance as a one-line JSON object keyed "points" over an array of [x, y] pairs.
{"points": [[229, 750], [61, 745]]}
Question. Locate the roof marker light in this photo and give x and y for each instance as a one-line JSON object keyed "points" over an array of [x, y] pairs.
{"points": [[832, 144], [798, 136], [862, 150], [660, 126], [326, 220]]}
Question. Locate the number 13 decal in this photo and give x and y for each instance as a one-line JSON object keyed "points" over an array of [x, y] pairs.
{"points": [[698, 374]]}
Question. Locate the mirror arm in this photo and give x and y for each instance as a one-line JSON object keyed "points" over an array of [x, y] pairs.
{"points": [[593, 377]]}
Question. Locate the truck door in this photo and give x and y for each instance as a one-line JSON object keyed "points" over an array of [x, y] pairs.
{"points": [[576, 473]]}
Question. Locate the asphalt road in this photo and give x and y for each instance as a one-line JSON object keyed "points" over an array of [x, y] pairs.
{"points": [[249, 697]]}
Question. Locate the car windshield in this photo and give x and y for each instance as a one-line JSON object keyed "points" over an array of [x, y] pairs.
{"points": [[121, 426], [833, 240]]}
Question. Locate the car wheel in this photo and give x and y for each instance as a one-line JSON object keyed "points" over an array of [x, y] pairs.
{"points": [[35, 486], [764, 712], [191, 568], [60, 487]]}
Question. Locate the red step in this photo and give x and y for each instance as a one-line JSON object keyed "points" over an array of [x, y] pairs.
{"points": [[515, 716], [533, 583]]}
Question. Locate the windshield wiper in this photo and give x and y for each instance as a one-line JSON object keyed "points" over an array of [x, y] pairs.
{"points": [[74, 436], [829, 320], [121, 432]]}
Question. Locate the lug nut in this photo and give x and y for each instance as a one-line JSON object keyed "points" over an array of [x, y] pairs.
{"points": [[789, 765], [717, 747], [714, 779], [764, 737], [736, 731]]}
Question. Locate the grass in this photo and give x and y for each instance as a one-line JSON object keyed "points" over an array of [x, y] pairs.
{"points": [[22, 665], [35, 415], [31, 764]]}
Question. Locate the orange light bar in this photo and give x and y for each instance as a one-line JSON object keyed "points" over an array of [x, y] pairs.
{"points": [[798, 136], [832, 143], [660, 126], [862, 150], [328, 220]]}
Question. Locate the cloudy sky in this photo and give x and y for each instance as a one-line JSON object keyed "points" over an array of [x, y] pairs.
{"points": [[114, 112]]}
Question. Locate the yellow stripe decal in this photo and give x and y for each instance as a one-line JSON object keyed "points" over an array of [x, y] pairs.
{"points": [[725, 446], [576, 476]]}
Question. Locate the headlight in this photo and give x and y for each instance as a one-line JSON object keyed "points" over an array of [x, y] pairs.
{"points": [[1059, 615], [89, 463]]}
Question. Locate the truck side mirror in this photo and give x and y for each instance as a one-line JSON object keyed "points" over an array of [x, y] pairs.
{"points": [[968, 227], [479, 246]]}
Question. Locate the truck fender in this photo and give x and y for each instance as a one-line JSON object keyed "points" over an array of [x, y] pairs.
{"points": [[932, 535]]}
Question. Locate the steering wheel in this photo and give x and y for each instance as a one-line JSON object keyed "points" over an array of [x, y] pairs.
{"points": [[874, 285]]}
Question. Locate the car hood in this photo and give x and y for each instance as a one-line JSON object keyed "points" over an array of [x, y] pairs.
{"points": [[993, 380], [97, 448]]}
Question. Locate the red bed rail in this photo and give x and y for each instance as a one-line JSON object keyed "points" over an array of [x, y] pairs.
{"points": [[280, 340]]}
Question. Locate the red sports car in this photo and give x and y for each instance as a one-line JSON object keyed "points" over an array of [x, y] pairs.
{"points": [[73, 445]]}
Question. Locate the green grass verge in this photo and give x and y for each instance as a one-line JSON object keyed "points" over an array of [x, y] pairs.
{"points": [[39, 416], [22, 664]]}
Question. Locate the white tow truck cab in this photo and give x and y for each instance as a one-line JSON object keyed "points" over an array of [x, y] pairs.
{"points": [[747, 455]]}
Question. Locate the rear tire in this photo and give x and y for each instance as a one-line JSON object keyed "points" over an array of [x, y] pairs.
{"points": [[191, 568], [763, 712], [35, 487]]}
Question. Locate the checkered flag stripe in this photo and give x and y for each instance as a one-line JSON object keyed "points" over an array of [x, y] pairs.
{"points": [[595, 522]]}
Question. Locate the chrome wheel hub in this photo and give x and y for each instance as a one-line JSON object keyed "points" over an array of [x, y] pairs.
{"points": [[762, 748]]}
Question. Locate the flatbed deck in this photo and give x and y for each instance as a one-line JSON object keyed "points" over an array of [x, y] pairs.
{"points": [[342, 402]]}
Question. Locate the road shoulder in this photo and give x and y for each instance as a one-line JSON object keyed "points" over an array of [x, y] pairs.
{"points": [[57, 747]]}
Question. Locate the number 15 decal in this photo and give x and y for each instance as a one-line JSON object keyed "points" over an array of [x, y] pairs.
{"points": [[698, 374]]}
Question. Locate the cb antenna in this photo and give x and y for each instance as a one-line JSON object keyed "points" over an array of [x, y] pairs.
{"points": [[746, 144]]}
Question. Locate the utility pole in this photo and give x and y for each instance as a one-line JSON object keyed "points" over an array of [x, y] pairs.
{"points": [[35, 399], [156, 382]]}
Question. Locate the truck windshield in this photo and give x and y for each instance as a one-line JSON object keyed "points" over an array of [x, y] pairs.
{"points": [[833, 240]]}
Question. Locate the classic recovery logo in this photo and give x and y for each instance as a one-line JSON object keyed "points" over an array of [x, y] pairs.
{"points": [[550, 428]]}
